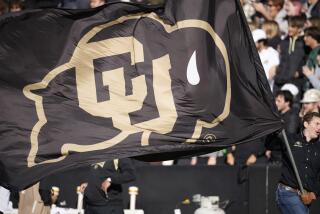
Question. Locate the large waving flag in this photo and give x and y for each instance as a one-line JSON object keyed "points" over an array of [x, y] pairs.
{"points": [[123, 80]]}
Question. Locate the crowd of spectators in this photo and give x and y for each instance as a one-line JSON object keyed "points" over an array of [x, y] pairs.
{"points": [[287, 36]]}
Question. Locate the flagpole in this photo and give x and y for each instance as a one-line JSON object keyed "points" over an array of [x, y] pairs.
{"points": [[295, 169]]}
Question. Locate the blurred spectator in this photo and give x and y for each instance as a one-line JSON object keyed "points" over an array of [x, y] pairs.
{"points": [[271, 10], [253, 25], [292, 54], [3, 7], [96, 3], [313, 9], [273, 33], [16, 6], [313, 22], [313, 74], [248, 9], [293, 7], [294, 91], [284, 102], [274, 11], [310, 102], [312, 40], [269, 56]]}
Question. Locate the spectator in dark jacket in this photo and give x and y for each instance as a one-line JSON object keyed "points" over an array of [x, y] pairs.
{"points": [[103, 190], [292, 55], [284, 101]]}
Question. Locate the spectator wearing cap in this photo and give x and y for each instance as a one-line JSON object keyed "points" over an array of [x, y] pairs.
{"points": [[293, 89], [310, 102], [292, 55], [296, 95], [268, 55]]}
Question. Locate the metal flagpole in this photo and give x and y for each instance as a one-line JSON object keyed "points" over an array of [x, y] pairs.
{"points": [[292, 161]]}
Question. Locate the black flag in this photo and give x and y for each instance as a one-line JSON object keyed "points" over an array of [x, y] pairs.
{"points": [[123, 80]]}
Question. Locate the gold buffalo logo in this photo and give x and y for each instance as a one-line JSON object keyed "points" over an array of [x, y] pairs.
{"points": [[120, 105]]}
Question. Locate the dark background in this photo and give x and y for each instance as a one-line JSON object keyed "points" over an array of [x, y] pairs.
{"points": [[162, 188]]}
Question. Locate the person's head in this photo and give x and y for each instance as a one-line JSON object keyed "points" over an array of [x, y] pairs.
{"points": [[260, 38], [284, 100], [293, 7], [16, 6], [313, 21], [295, 25], [274, 6], [312, 36], [271, 28], [96, 3], [311, 125], [311, 101], [3, 7]]}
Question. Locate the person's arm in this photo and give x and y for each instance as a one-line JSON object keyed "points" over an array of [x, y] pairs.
{"points": [[251, 160], [230, 157], [275, 63], [312, 75], [259, 7]]}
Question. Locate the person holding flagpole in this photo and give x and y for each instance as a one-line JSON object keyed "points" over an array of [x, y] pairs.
{"points": [[305, 147]]}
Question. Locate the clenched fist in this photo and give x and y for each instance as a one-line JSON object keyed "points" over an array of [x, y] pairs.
{"points": [[307, 197]]}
